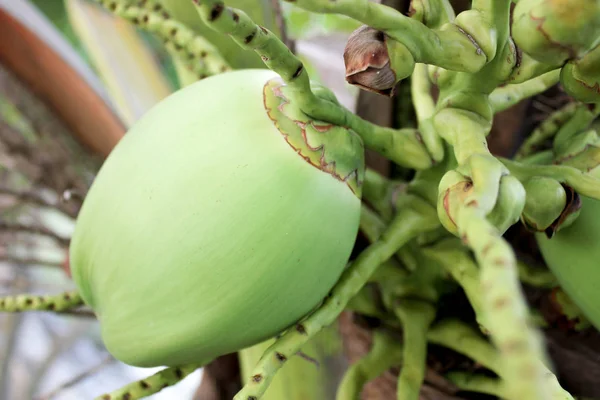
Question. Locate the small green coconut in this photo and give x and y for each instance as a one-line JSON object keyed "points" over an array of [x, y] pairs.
{"points": [[223, 217], [554, 31]]}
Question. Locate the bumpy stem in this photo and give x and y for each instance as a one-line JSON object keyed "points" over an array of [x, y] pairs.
{"points": [[425, 108], [478, 383], [537, 277], [401, 146], [546, 130], [199, 55], [520, 346], [378, 191], [151, 385], [463, 339], [458, 336], [455, 259], [408, 223], [27, 302], [384, 354], [580, 120], [416, 316], [507, 96]]}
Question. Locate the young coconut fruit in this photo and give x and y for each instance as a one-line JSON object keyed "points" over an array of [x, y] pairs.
{"points": [[223, 217]]}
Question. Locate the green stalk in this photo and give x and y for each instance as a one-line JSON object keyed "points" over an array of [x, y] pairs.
{"points": [[300, 378], [25, 302], [151, 385], [455, 259], [520, 346], [507, 96], [385, 353], [463, 339], [580, 120], [545, 130], [416, 316], [478, 383], [199, 55], [425, 108], [259, 10], [583, 183]]}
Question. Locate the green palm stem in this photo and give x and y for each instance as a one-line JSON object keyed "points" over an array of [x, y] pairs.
{"points": [[365, 302], [196, 53], [300, 378], [463, 339], [581, 182], [402, 146], [28, 302], [520, 345], [151, 385], [507, 96], [379, 191], [425, 108], [260, 11], [412, 297], [546, 130], [477, 382], [460, 337], [455, 259], [385, 353], [538, 277], [410, 221], [416, 316], [527, 68], [584, 115]]}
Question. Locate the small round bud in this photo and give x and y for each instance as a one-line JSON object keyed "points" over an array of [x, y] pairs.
{"points": [[375, 62], [545, 202], [554, 31]]}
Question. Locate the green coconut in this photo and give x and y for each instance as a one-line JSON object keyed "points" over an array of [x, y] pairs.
{"points": [[223, 217], [554, 31]]}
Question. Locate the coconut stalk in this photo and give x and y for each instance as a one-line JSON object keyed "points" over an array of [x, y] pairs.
{"points": [[314, 373]]}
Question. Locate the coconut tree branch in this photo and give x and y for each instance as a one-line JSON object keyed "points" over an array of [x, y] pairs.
{"points": [[416, 315], [507, 96], [583, 183], [151, 385], [199, 55], [545, 130], [463, 339], [385, 353], [25, 302], [478, 383]]}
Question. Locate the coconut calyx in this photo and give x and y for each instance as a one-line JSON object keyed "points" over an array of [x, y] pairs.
{"points": [[335, 150]]}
